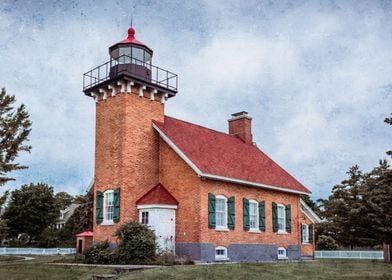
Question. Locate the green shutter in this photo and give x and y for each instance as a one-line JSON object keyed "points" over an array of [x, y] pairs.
{"points": [[211, 211], [231, 216], [302, 234], [288, 218], [274, 217], [262, 215], [98, 207], [311, 233], [116, 204], [246, 213]]}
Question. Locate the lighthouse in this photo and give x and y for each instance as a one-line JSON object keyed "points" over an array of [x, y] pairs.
{"points": [[129, 92]]}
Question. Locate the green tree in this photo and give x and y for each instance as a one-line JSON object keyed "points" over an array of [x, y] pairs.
{"points": [[3, 223], [379, 202], [15, 127], [326, 243], [345, 210], [3, 200], [379, 198], [31, 209], [359, 210], [64, 199]]}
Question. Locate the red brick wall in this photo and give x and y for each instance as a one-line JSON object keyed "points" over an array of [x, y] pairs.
{"points": [[192, 212], [387, 257], [239, 235], [307, 249], [183, 183], [126, 152]]}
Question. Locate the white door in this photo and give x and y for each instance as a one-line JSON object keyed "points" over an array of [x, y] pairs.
{"points": [[163, 222], [165, 228]]}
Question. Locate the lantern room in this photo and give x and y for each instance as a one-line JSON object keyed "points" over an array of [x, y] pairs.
{"points": [[130, 55], [131, 49], [130, 64]]}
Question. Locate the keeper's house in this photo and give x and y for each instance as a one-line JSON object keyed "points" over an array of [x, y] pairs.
{"points": [[211, 195]]}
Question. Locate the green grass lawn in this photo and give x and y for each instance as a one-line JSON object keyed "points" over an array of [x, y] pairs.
{"points": [[325, 269], [41, 268]]}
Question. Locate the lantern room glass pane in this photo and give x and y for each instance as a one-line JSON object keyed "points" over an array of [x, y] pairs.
{"points": [[114, 54], [125, 55], [147, 57], [138, 55]]}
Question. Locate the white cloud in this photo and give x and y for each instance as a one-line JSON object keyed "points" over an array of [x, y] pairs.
{"points": [[313, 76]]}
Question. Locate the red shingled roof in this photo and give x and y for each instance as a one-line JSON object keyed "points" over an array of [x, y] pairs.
{"points": [[221, 154], [157, 195]]}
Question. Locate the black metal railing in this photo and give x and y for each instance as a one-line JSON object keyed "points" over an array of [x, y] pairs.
{"points": [[133, 67]]}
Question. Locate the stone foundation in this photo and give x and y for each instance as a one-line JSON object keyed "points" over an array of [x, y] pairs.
{"points": [[205, 252]]}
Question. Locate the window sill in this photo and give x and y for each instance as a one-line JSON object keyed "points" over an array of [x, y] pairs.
{"points": [[282, 232], [222, 229], [254, 231], [306, 243], [107, 223], [283, 258]]}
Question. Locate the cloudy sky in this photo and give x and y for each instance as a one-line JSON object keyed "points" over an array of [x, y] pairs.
{"points": [[315, 76]]}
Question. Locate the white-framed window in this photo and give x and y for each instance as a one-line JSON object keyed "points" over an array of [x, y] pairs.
{"points": [[305, 233], [253, 215], [108, 203], [281, 218], [221, 253], [221, 211], [144, 217], [282, 253]]}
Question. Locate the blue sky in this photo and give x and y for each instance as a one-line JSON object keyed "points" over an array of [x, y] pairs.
{"points": [[315, 76]]}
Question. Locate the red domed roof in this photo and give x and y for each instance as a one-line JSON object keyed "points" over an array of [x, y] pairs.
{"points": [[130, 40], [87, 233]]}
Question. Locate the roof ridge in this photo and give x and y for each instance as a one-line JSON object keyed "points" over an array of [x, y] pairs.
{"points": [[213, 130]]}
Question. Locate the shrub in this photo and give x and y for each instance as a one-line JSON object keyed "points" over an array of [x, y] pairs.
{"points": [[99, 253], [137, 243], [325, 242]]}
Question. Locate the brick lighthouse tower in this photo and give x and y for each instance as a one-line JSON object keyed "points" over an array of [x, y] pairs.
{"points": [[129, 93]]}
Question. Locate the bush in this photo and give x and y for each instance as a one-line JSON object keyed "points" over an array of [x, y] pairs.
{"points": [[99, 253], [137, 243], [326, 243]]}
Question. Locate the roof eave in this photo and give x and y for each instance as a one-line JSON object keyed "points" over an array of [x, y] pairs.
{"points": [[310, 213], [217, 177], [250, 183]]}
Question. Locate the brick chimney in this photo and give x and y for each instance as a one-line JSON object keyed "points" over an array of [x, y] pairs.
{"points": [[241, 125]]}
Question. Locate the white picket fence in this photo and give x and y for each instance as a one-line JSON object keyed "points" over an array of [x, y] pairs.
{"points": [[364, 255], [37, 251]]}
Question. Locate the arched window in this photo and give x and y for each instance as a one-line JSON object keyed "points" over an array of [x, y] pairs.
{"points": [[253, 215], [221, 253], [282, 253], [108, 203], [221, 211]]}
